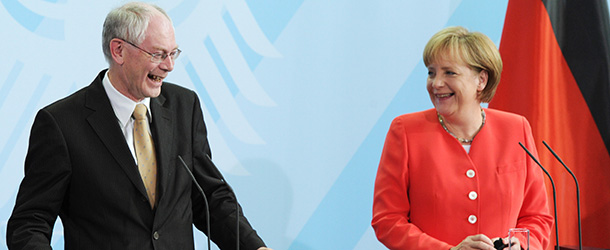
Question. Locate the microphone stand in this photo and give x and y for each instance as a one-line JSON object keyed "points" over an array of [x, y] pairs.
{"points": [[205, 199], [577, 193], [554, 195]]}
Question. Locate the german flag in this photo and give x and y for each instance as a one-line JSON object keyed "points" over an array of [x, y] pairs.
{"points": [[556, 56]]}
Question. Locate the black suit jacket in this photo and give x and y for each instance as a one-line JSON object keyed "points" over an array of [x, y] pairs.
{"points": [[79, 167]]}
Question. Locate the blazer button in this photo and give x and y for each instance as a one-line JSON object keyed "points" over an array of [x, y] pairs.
{"points": [[470, 173], [473, 195], [472, 219], [156, 235]]}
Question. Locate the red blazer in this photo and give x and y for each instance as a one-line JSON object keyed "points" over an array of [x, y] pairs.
{"points": [[431, 194]]}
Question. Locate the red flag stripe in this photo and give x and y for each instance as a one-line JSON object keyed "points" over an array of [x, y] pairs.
{"points": [[538, 83]]}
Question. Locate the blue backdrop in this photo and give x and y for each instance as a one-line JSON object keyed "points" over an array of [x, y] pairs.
{"points": [[297, 96]]}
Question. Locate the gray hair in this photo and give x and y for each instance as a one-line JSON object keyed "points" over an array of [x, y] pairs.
{"points": [[128, 22]]}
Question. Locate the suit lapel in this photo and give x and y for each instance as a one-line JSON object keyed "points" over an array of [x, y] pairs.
{"points": [[164, 147], [105, 124]]}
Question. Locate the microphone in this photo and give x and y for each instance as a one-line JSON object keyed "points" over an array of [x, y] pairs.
{"points": [[236, 203], [577, 193], [554, 195], [205, 198]]}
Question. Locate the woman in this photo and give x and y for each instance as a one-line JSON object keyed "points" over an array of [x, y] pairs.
{"points": [[455, 177]]}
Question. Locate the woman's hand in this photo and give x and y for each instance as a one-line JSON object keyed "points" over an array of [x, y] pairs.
{"points": [[515, 245], [502, 244], [479, 241]]}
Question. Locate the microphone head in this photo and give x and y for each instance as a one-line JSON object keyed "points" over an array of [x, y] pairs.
{"points": [[499, 244]]}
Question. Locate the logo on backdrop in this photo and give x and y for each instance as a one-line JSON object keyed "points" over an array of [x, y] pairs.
{"points": [[44, 26], [222, 41], [224, 44]]}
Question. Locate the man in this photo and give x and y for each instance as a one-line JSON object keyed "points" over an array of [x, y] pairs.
{"points": [[90, 161]]}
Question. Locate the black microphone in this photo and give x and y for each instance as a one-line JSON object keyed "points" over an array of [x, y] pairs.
{"points": [[554, 195], [577, 193], [236, 203], [205, 199]]}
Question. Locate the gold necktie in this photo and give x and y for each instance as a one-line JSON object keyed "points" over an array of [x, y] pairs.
{"points": [[145, 152]]}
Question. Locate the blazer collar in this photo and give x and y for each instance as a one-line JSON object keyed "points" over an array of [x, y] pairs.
{"points": [[162, 125], [105, 124]]}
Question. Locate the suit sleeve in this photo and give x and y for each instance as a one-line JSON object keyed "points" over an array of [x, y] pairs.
{"points": [[534, 214], [40, 196], [391, 200], [221, 199]]}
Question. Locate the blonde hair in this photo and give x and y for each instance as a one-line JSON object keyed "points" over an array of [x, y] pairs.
{"points": [[473, 48]]}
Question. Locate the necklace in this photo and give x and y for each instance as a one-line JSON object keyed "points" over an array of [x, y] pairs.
{"points": [[462, 140]]}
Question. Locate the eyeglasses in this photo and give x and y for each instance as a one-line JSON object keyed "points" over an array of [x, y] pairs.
{"points": [[158, 57]]}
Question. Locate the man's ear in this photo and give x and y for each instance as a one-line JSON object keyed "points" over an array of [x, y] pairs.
{"points": [[116, 50]]}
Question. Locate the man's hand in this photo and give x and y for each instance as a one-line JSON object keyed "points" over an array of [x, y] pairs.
{"points": [[264, 248]]}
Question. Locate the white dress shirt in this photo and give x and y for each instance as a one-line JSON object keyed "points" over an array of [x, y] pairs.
{"points": [[123, 109]]}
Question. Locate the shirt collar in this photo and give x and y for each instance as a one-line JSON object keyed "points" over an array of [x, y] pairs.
{"points": [[123, 107]]}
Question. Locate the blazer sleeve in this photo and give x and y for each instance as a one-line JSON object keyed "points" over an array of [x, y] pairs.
{"points": [[391, 200], [221, 199], [40, 196], [534, 213]]}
